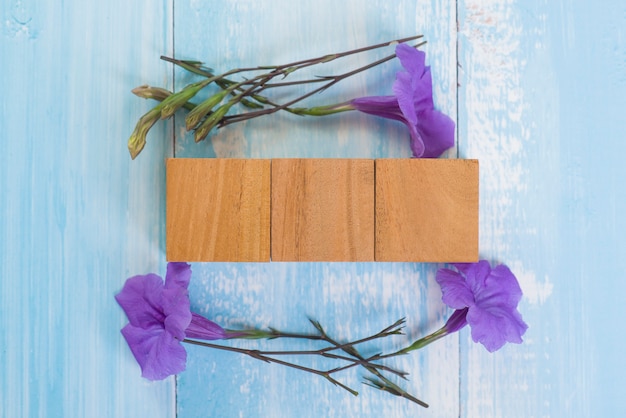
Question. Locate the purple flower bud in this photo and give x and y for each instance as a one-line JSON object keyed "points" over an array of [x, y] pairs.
{"points": [[456, 321]]}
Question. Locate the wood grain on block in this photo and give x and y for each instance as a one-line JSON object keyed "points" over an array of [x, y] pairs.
{"points": [[322, 210], [427, 210], [218, 209]]}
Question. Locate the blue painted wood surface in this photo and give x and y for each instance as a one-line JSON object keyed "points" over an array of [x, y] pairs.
{"points": [[541, 88]]}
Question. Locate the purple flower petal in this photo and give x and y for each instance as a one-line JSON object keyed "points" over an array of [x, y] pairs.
{"points": [[158, 353], [159, 317], [437, 132], [495, 327], [454, 289], [141, 300], [387, 107], [413, 60], [417, 141], [202, 328], [424, 92], [463, 267], [384, 106], [178, 275], [415, 82], [175, 304], [404, 92], [510, 293], [431, 131], [491, 303], [476, 275], [456, 321]]}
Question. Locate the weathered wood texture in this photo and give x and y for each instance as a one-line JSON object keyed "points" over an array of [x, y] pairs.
{"points": [[77, 217], [218, 209], [427, 210], [322, 210], [540, 89], [419, 210], [349, 299]]}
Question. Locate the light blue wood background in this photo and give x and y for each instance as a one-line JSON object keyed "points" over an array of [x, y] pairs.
{"points": [[538, 91]]}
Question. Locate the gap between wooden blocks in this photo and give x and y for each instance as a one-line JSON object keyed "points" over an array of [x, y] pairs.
{"points": [[419, 210]]}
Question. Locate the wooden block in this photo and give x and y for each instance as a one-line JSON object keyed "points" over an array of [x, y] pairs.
{"points": [[218, 210], [427, 210], [322, 210]]}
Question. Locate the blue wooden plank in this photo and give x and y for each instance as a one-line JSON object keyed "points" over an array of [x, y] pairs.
{"points": [[76, 218], [244, 34], [350, 299], [541, 88]]}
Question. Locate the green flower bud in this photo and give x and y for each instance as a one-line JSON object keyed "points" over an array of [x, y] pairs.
{"points": [[211, 121], [178, 100], [137, 139], [147, 92], [199, 112]]}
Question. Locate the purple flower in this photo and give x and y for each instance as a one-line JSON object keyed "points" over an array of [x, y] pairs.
{"points": [[432, 132], [486, 299], [160, 319], [457, 320]]}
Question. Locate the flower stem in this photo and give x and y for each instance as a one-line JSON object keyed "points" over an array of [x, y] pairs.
{"points": [[422, 342], [195, 66], [264, 356], [247, 93], [354, 358], [331, 80], [384, 383], [394, 329]]}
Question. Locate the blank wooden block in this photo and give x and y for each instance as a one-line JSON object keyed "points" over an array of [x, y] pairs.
{"points": [[218, 210], [322, 210], [427, 210]]}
